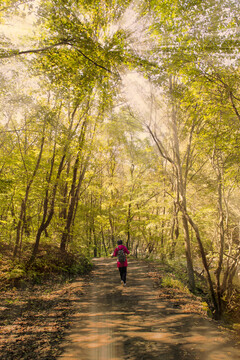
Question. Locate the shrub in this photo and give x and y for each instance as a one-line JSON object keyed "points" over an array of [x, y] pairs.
{"points": [[169, 282]]}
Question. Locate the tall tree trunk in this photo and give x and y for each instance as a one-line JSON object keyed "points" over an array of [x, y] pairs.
{"points": [[71, 210], [48, 210], [75, 187], [112, 227], [181, 179], [181, 196], [205, 264], [20, 225], [95, 251], [188, 254], [180, 192], [103, 241], [174, 230], [163, 220], [162, 235], [221, 242], [128, 226], [22, 216]]}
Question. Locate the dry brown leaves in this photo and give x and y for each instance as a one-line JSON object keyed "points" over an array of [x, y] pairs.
{"points": [[187, 303], [33, 321]]}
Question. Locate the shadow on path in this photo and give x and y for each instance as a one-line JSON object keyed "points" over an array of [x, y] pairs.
{"points": [[132, 323]]}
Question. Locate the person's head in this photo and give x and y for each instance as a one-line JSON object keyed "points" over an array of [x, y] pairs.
{"points": [[119, 242]]}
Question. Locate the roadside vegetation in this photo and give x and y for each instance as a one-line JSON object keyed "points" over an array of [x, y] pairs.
{"points": [[50, 266], [171, 278]]}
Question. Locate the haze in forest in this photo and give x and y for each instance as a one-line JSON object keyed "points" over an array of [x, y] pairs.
{"points": [[121, 126]]}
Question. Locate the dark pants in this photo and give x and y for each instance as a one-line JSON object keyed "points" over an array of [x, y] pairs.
{"points": [[123, 273]]}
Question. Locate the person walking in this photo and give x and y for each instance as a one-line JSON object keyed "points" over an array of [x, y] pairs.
{"points": [[120, 252]]}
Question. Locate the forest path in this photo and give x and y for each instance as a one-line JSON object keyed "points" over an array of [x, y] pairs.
{"points": [[133, 323]]}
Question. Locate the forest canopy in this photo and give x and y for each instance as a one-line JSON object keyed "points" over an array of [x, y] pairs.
{"points": [[120, 119]]}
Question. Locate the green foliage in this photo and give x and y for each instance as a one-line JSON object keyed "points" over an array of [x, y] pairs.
{"points": [[236, 327], [174, 283], [9, 8], [70, 134], [5, 185], [205, 308], [17, 272], [53, 263]]}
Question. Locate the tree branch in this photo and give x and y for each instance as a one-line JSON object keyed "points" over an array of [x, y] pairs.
{"points": [[159, 146], [47, 48], [233, 105], [92, 61], [32, 51]]}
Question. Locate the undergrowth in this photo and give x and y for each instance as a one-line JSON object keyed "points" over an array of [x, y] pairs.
{"points": [[169, 282], [50, 264], [173, 274]]}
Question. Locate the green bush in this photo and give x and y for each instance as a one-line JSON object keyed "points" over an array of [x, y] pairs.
{"points": [[16, 273], [55, 262], [169, 282]]}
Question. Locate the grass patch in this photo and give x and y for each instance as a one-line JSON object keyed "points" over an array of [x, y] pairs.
{"points": [[170, 282]]}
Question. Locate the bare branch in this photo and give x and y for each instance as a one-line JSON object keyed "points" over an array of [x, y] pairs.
{"points": [[92, 61], [160, 146]]}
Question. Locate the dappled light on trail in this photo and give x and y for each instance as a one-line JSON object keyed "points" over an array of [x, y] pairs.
{"points": [[133, 322]]}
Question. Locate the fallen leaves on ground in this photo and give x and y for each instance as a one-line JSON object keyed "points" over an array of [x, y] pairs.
{"points": [[33, 321], [178, 299]]}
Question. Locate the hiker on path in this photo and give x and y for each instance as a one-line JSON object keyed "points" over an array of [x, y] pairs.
{"points": [[120, 252]]}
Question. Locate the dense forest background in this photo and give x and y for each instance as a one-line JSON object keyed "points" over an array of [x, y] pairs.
{"points": [[120, 119]]}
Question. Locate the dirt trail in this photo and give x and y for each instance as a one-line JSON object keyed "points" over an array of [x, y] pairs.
{"points": [[133, 323]]}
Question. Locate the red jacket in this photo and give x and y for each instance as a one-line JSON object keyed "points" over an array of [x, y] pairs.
{"points": [[119, 264]]}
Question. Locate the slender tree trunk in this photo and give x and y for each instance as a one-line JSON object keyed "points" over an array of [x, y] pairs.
{"points": [[49, 200], [19, 226], [181, 182], [103, 241], [162, 235], [95, 251], [181, 196], [74, 188], [221, 242], [95, 248], [205, 264], [181, 187], [64, 193], [188, 253], [22, 216], [48, 211], [163, 220], [111, 222], [230, 271], [174, 230], [128, 226], [71, 210]]}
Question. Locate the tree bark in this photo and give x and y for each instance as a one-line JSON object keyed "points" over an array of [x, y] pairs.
{"points": [[128, 226], [221, 242], [71, 210], [48, 211], [75, 188], [188, 253], [205, 264], [174, 230], [25, 200]]}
